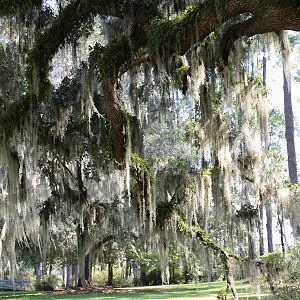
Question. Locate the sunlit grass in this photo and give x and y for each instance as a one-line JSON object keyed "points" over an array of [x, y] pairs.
{"points": [[203, 291]]}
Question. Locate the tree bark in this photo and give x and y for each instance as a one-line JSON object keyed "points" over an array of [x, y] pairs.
{"points": [[82, 235], [75, 275], [110, 274], [251, 241], [264, 199], [260, 224], [38, 276], [281, 226], [68, 276], [288, 108], [269, 216], [115, 116], [229, 275], [87, 271]]}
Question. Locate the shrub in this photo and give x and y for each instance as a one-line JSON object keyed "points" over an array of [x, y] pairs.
{"points": [[48, 283], [282, 273]]}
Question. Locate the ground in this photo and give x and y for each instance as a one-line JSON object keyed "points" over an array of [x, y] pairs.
{"points": [[180, 291]]}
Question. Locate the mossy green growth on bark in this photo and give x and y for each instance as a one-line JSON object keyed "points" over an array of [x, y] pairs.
{"points": [[164, 33], [148, 10], [109, 59], [12, 118], [139, 168], [203, 236]]}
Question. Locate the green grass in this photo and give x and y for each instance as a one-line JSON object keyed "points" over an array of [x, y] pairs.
{"points": [[181, 291]]}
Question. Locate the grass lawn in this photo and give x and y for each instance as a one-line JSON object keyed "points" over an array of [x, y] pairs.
{"points": [[181, 291]]}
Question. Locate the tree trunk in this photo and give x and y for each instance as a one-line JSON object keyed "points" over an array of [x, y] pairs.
{"points": [[288, 108], [81, 235], [208, 263], [110, 275], [116, 118], [74, 275], [288, 114], [63, 271], [134, 267], [264, 199], [269, 216], [143, 275], [260, 225], [281, 226], [229, 275], [87, 269], [251, 241], [68, 276], [82, 230], [50, 268], [38, 276]]}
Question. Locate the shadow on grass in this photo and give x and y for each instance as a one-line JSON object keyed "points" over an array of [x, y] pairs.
{"points": [[183, 291]]}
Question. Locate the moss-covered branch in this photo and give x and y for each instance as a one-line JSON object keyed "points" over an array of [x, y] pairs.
{"points": [[177, 35], [139, 168], [193, 25], [203, 237], [208, 242], [47, 44], [77, 13]]}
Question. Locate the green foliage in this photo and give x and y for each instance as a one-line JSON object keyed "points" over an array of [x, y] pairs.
{"points": [[180, 163], [209, 171], [110, 59], [200, 233], [276, 123], [282, 272], [181, 78], [14, 102], [292, 186], [247, 211], [67, 92], [257, 79], [212, 36], [147, 9], [139, 168], [48, 283], [164, 33], [222, 295], [274, 261]]}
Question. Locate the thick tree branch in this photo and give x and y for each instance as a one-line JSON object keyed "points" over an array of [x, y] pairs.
{"points": [[115, 116], [73, 16], [193, 25], [269, 16], [176, 36]]}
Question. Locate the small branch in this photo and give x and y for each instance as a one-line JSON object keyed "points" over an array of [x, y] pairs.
{"points": [[248, 178], [206, 241], [143, 58]]}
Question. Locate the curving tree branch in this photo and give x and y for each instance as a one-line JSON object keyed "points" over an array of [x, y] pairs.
{"points": [[203, 237], [176, 36], [164, 38], [270, 16]]}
